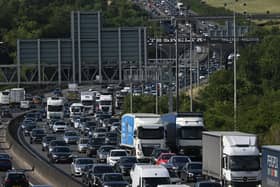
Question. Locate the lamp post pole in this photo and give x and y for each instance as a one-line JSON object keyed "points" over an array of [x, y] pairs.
{"points": [[234, 70], [191, 102]]}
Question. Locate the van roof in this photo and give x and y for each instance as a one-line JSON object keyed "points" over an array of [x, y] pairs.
{"points": [[148, 170]]}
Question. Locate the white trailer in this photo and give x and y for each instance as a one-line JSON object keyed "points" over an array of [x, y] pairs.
{"points": [[88, 101], [142, 133], [17, 95], [231, 157], [55, 107], [5, 97], [105, 103]]}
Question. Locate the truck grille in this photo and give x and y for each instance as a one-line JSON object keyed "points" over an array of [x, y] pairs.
{"points": [[244, 179]]}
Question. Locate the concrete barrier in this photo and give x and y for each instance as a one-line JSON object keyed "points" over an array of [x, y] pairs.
{"points": [[57, 177]]}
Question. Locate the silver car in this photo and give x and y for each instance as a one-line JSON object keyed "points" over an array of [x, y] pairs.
{"points": [[79, 164], [71, 137], [82, 145]]}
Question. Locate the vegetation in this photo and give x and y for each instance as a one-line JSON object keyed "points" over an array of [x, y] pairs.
{"points": [[258, 92], [27, 19]]}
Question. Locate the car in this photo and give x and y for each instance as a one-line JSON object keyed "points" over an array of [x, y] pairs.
{"points": [[115, 126], [156, 152], [28, 128], [178, 161], [82, 145], [37, 135], [26, 122], [96, 172], [15, 178], [86, 126], [111, 138], [113, 179], [59, 126], [125, 164], [46, 140], [71, 137], [60, 154], [5, 155], [97, 131], [5, 164], [163, 158], [93, 146], [55, 143], [103, 151], [207, 184], [79, 164], [115, 155], [191, 171]]}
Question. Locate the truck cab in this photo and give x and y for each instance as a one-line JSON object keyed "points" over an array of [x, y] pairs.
{"points": [[143, 175]]}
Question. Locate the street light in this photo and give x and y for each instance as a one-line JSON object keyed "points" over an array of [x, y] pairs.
{"points": [[190, 56]]}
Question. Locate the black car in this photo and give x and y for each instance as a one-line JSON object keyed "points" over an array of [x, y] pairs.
{"points": [[93, 178], [111, 138], [15, 178], [191, 171], [60, 154], [93, 145], [54, 143], [5, 164], [111, 179], [37, 135], [46, 140], [125, 164], [86, 126], [28, 128], [103, 151]]}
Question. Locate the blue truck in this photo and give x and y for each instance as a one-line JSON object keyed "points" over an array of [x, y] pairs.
{"points": [[184, 132], [141, 133], [270, 166]]}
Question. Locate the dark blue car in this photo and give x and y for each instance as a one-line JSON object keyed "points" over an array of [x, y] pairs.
{"points": [[5, 164]]}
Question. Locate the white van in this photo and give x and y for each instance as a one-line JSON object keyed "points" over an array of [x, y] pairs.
{"points": [[149, 175]]}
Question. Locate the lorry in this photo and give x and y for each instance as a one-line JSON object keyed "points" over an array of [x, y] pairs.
{"points": [[184, 132], [270, 166], [55, 108], [143, 175], [231, 157], [105, 103], [142, 132], [88, 100], [17, 95], [5, 97]]}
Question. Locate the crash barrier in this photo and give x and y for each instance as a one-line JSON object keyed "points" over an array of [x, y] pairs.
{"points": [[56, 176]]}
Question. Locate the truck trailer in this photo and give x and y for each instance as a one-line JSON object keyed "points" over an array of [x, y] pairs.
{"points": [[184, 132], [88, 100], [142, 133], [231, 157], [270, 166]]}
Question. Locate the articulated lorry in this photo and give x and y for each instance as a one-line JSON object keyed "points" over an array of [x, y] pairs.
{"points": [[270, 166], [231, 157], [184, 132], [142, 133], [88, 100]]}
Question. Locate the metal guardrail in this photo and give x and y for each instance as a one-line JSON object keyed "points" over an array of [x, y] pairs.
{"points": [[41, 166]]}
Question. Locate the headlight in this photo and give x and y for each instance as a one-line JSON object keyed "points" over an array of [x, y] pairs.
{"points": [[174, 167], [78, 169], [191, 174], [55, 156]]}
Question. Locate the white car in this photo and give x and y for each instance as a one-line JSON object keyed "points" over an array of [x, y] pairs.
{"points": [[82, 145], [59, 126], [79, 164], [115, 155]]}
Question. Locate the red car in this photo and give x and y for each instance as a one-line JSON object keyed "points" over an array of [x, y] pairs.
{"points": [[163, 158]]}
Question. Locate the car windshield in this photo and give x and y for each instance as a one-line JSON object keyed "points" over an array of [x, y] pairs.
{"points": [[111, 135], [90, 124], [191, 132], [113, 177], [107, 149], [97, 141], [58, 143], [128, 160], [38, 132], [100, 130], [60, 123], [71, 134], [16, 176], [84, 161], [103, 169], [62, 149], [4, 155], [55, 108], [244, 163], [166, 156], [154, 181], [50, 138], [84, 141], [118, 153], [195, 166], [180, 159]]}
